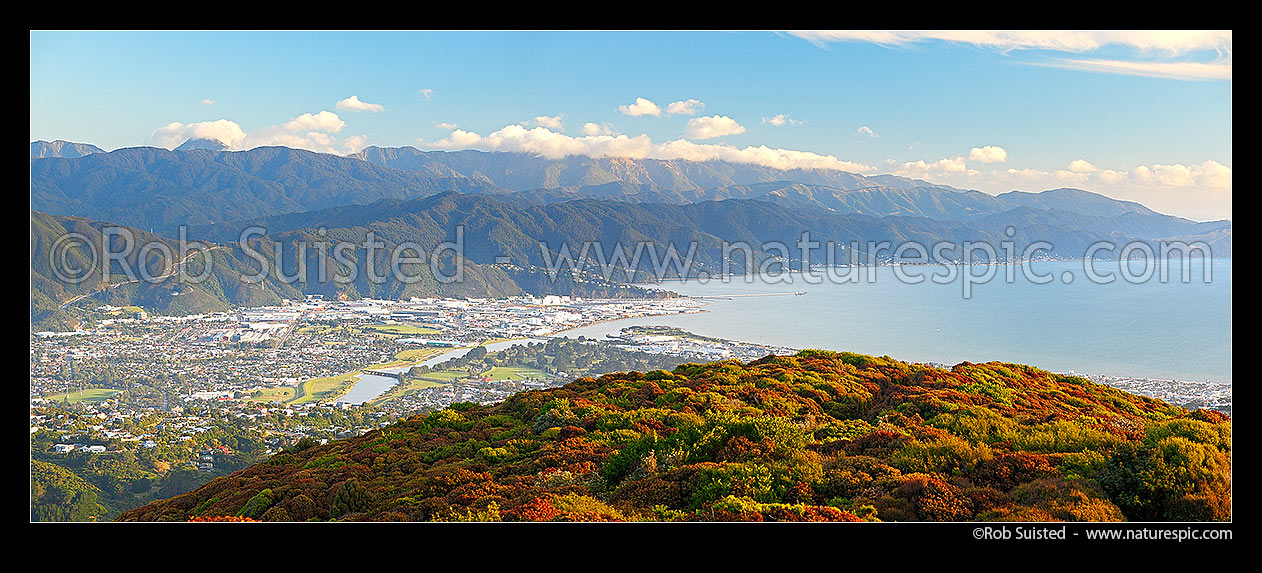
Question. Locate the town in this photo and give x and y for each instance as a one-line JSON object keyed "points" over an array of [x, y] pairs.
{"points": [[158, 405], [186, 387]]}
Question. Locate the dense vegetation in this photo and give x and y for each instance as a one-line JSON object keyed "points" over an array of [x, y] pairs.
{"points": [[57, 494], [814, 436], [78, 486], [559, 356]]}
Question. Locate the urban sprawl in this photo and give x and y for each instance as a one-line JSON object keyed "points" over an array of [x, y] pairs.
{"points": [[275, 375]]}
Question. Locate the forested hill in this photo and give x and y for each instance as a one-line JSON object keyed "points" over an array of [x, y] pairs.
{"points": [[202, 186], [231, 280], [814, 436], [496, 227]]}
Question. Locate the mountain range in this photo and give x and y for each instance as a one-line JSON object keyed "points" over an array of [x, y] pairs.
{"points": [[522, 171], [199, 186], [507, 204]]}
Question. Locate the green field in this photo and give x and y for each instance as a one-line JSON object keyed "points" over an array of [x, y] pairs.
{"points": [[314, 329], [514, 373], [400, 329], [322, 329], [91, 395], [278, 394]]}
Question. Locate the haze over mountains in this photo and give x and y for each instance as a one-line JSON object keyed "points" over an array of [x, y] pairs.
{"points": [[508, 203], [521, 172]]}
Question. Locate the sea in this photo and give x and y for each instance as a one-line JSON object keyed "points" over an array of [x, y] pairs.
{"points": [[1136, 325]]}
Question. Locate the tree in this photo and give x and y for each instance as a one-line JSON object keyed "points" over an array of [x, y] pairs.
{"points": [[258, 504], [350, 498]]}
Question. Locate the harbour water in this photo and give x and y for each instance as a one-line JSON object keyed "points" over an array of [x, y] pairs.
{"points": [[1164, 330]]}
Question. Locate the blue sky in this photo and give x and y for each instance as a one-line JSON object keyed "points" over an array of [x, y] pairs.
{"points": [[1144, 117]]}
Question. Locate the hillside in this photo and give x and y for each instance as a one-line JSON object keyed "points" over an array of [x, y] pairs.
{"points": [[57, 494], [229, 282], [496, 226], [814, 436], [220, 289], [198, 186]]}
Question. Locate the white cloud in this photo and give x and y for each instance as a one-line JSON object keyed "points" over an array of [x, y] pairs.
{"points": [[921, 168], [425, 93], [446, 125], [325, 121], [1028, 174], [1112, 177], [1081, 166], [1071, 177], [865, 130], [1216, 70], [173, 134], [685, 107], [353, 103], [1214, 174], [598, 129], [553, 145], [1206, 175], [311, 140], [208, 102], [711, 127], [550, 122], [355, 143], [988, 154], [310, 131], [781, 119], [1171, 42], [640, 107], [1211, 45], [1209, 173]]}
